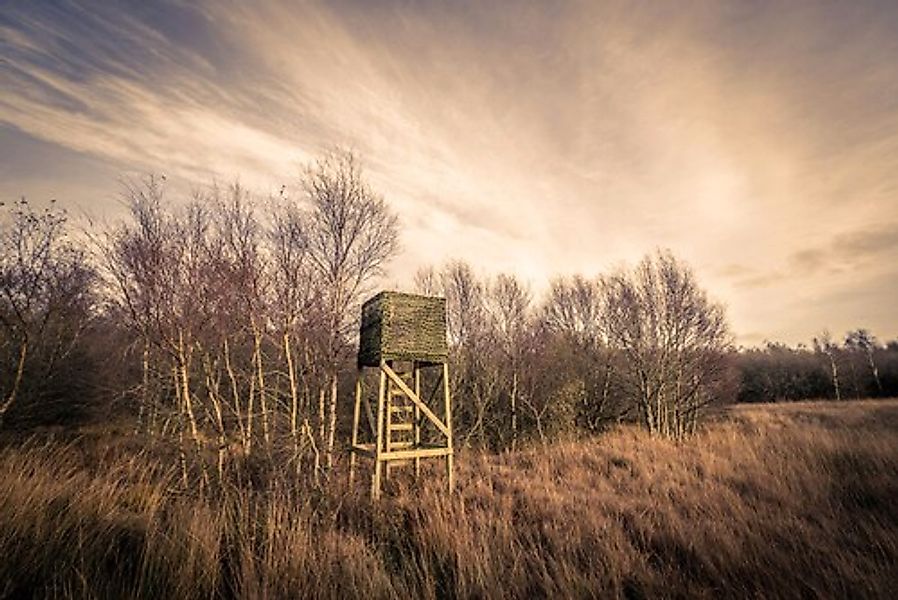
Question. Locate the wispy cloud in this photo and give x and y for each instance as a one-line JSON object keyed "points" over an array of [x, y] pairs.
{"points": [[533, 137]]}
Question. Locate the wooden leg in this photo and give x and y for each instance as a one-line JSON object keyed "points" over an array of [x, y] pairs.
{"points": [[379, 441], [355, 425], [448, 414], [417, 426], [388, 439]]}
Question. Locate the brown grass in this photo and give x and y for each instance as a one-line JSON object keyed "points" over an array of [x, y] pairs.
{"points": [[768, 501]]}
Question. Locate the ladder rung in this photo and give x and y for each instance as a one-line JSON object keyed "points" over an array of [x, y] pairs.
{"points": [[400, 426], [397, 409], [401, 445]]}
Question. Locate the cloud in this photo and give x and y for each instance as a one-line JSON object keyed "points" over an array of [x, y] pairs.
{"points": [[845, 253], [756, 142], [873, 242]]}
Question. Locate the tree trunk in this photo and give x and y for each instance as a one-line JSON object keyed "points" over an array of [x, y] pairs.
{"points": [[184, 372], [250, 407], [294, 400], [514, 409], [321, 421], [875, 370], [17, 381], [260, 375], [332, 426], [835, 375], [606, 386], [144, 392], [235, 392], [315, 453], [182, 451], [212, 386], [184, 369]]}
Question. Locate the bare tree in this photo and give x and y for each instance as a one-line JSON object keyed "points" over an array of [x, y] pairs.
{"points": [[672, 338], [46, 296], [573, 310], [473, 341], [509, 305], [352, 233], [824, 345], [295, 291], [465, 303], [158, 274], [138, 266], [863, 341]]}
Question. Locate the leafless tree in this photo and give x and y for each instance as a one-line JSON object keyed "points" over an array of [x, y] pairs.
{"points": [[552, 384], [295, 293], [861, 340], [573, 310], [46, 296], [673, 341], [509, 304], [352, 233], [825, 346], [473, 344], [465, 303]]}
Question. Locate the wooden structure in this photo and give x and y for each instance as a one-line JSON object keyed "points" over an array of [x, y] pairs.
{"points": [[403, 336]]}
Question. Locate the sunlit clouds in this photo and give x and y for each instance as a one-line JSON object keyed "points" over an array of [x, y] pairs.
{"points": [[759, 141]]}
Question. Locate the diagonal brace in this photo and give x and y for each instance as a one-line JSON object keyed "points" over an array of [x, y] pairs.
{"points": [[370, 414], [414, 398]]}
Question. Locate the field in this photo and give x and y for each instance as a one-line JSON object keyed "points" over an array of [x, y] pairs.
{"points": [[788, 500]]}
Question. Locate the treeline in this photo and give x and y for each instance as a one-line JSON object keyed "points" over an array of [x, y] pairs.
{"points": [[227, 324], [644, 344], [857, 367], [212, 325]]}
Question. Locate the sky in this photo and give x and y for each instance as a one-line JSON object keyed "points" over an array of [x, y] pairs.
{"points": [[756, 140]]}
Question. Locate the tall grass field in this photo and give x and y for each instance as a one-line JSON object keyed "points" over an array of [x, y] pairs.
{"points": [[766, 501]]}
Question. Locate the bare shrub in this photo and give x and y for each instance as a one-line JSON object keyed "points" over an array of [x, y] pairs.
{"points": [[672, 342], [352, 233], [46, 302]]}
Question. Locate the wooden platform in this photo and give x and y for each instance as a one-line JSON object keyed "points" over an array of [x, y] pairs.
{"points": [[395, 429]]}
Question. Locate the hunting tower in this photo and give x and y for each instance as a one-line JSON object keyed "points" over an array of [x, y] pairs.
{"points": [[403, 336]]}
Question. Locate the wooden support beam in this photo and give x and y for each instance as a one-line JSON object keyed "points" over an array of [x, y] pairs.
{"points": [[388, 442], [415, 453], [414, 398], [355, 424], [396, 428], [366, 449], [370, 414], [378, 444], [449, 470], [416, 374]]}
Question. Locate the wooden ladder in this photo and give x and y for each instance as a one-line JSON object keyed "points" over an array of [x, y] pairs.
{"points": [[394, 429], [403, 421]]}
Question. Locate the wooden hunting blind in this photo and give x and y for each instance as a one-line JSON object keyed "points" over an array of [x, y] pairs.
{"points": [[403, 336], [399, 326]]}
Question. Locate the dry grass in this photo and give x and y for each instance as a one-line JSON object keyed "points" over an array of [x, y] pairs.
{"points": [[768, 501]]}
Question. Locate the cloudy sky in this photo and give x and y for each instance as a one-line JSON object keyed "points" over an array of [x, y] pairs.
{"points": [[757, 140]]}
